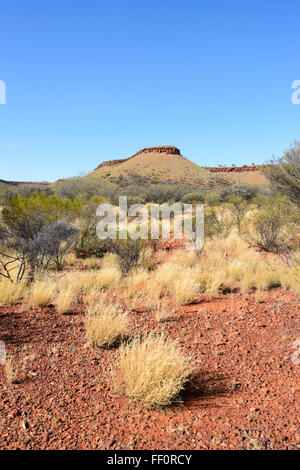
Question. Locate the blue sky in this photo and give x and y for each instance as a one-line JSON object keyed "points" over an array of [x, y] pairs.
{"points": [[91, 80]]}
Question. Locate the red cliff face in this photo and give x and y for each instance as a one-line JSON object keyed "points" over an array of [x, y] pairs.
{"points": [[234, 169], [112, 162], [169, 149]]}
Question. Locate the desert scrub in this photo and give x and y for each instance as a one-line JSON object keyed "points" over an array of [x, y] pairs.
{"points": [[153, 370], [103, 329]]}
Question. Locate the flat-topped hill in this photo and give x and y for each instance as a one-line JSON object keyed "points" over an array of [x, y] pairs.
{"points": [[163, 164]]}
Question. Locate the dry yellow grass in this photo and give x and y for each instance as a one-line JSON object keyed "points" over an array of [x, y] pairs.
{"points": [[229, 263], [184, 290], [184, 257], [167, 273], [90, 263], [108, 277], [10, 373], [105, 327], [95, 299], [178, 280], [70, 259], [75, 281], [83, 281], [162, 311], [10, 292], [64, 300], [41, 293], [153, 370], [153, 292], [146, 261], [289, 279], [110, 260], [135, 281]]}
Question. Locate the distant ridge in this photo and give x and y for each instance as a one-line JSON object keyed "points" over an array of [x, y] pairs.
{"points": [[249, 174]]}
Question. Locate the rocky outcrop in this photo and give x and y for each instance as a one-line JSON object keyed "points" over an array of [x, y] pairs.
{"points": [[169, 149], [234, 169], [112, 162]]}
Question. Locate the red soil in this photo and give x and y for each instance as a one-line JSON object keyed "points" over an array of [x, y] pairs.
{"points": [[245, 393]]}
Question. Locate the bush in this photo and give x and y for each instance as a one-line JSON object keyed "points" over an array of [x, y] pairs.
{"points": [[153, 369], [272, 227], [213, 226], [51, 244], [87, 186], [129, 251], [37, 207], [193, 198], [31, 229], [284, 173], [89, 244], [243, 191], [238, 209]]}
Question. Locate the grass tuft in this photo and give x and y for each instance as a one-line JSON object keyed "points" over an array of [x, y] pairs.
{"points": [[153, 370], [106, 327]]}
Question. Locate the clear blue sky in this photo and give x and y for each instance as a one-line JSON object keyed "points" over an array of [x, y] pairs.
{"points": [[94, 80]]}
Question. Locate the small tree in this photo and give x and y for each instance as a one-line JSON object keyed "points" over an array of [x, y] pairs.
{"points": [[284, 173], [272, 227], [51, 244], [238, 209], [31, 236], [213, 225], [130, 251]]}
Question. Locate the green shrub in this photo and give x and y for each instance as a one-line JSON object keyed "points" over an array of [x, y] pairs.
{"points": [[272, 226], [193, 198]]}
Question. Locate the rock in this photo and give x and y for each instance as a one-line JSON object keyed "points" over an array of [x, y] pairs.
{"points": [[25, 425]]}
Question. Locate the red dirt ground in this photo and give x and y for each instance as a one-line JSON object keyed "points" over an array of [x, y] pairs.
{"points": [[245, 394]]}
